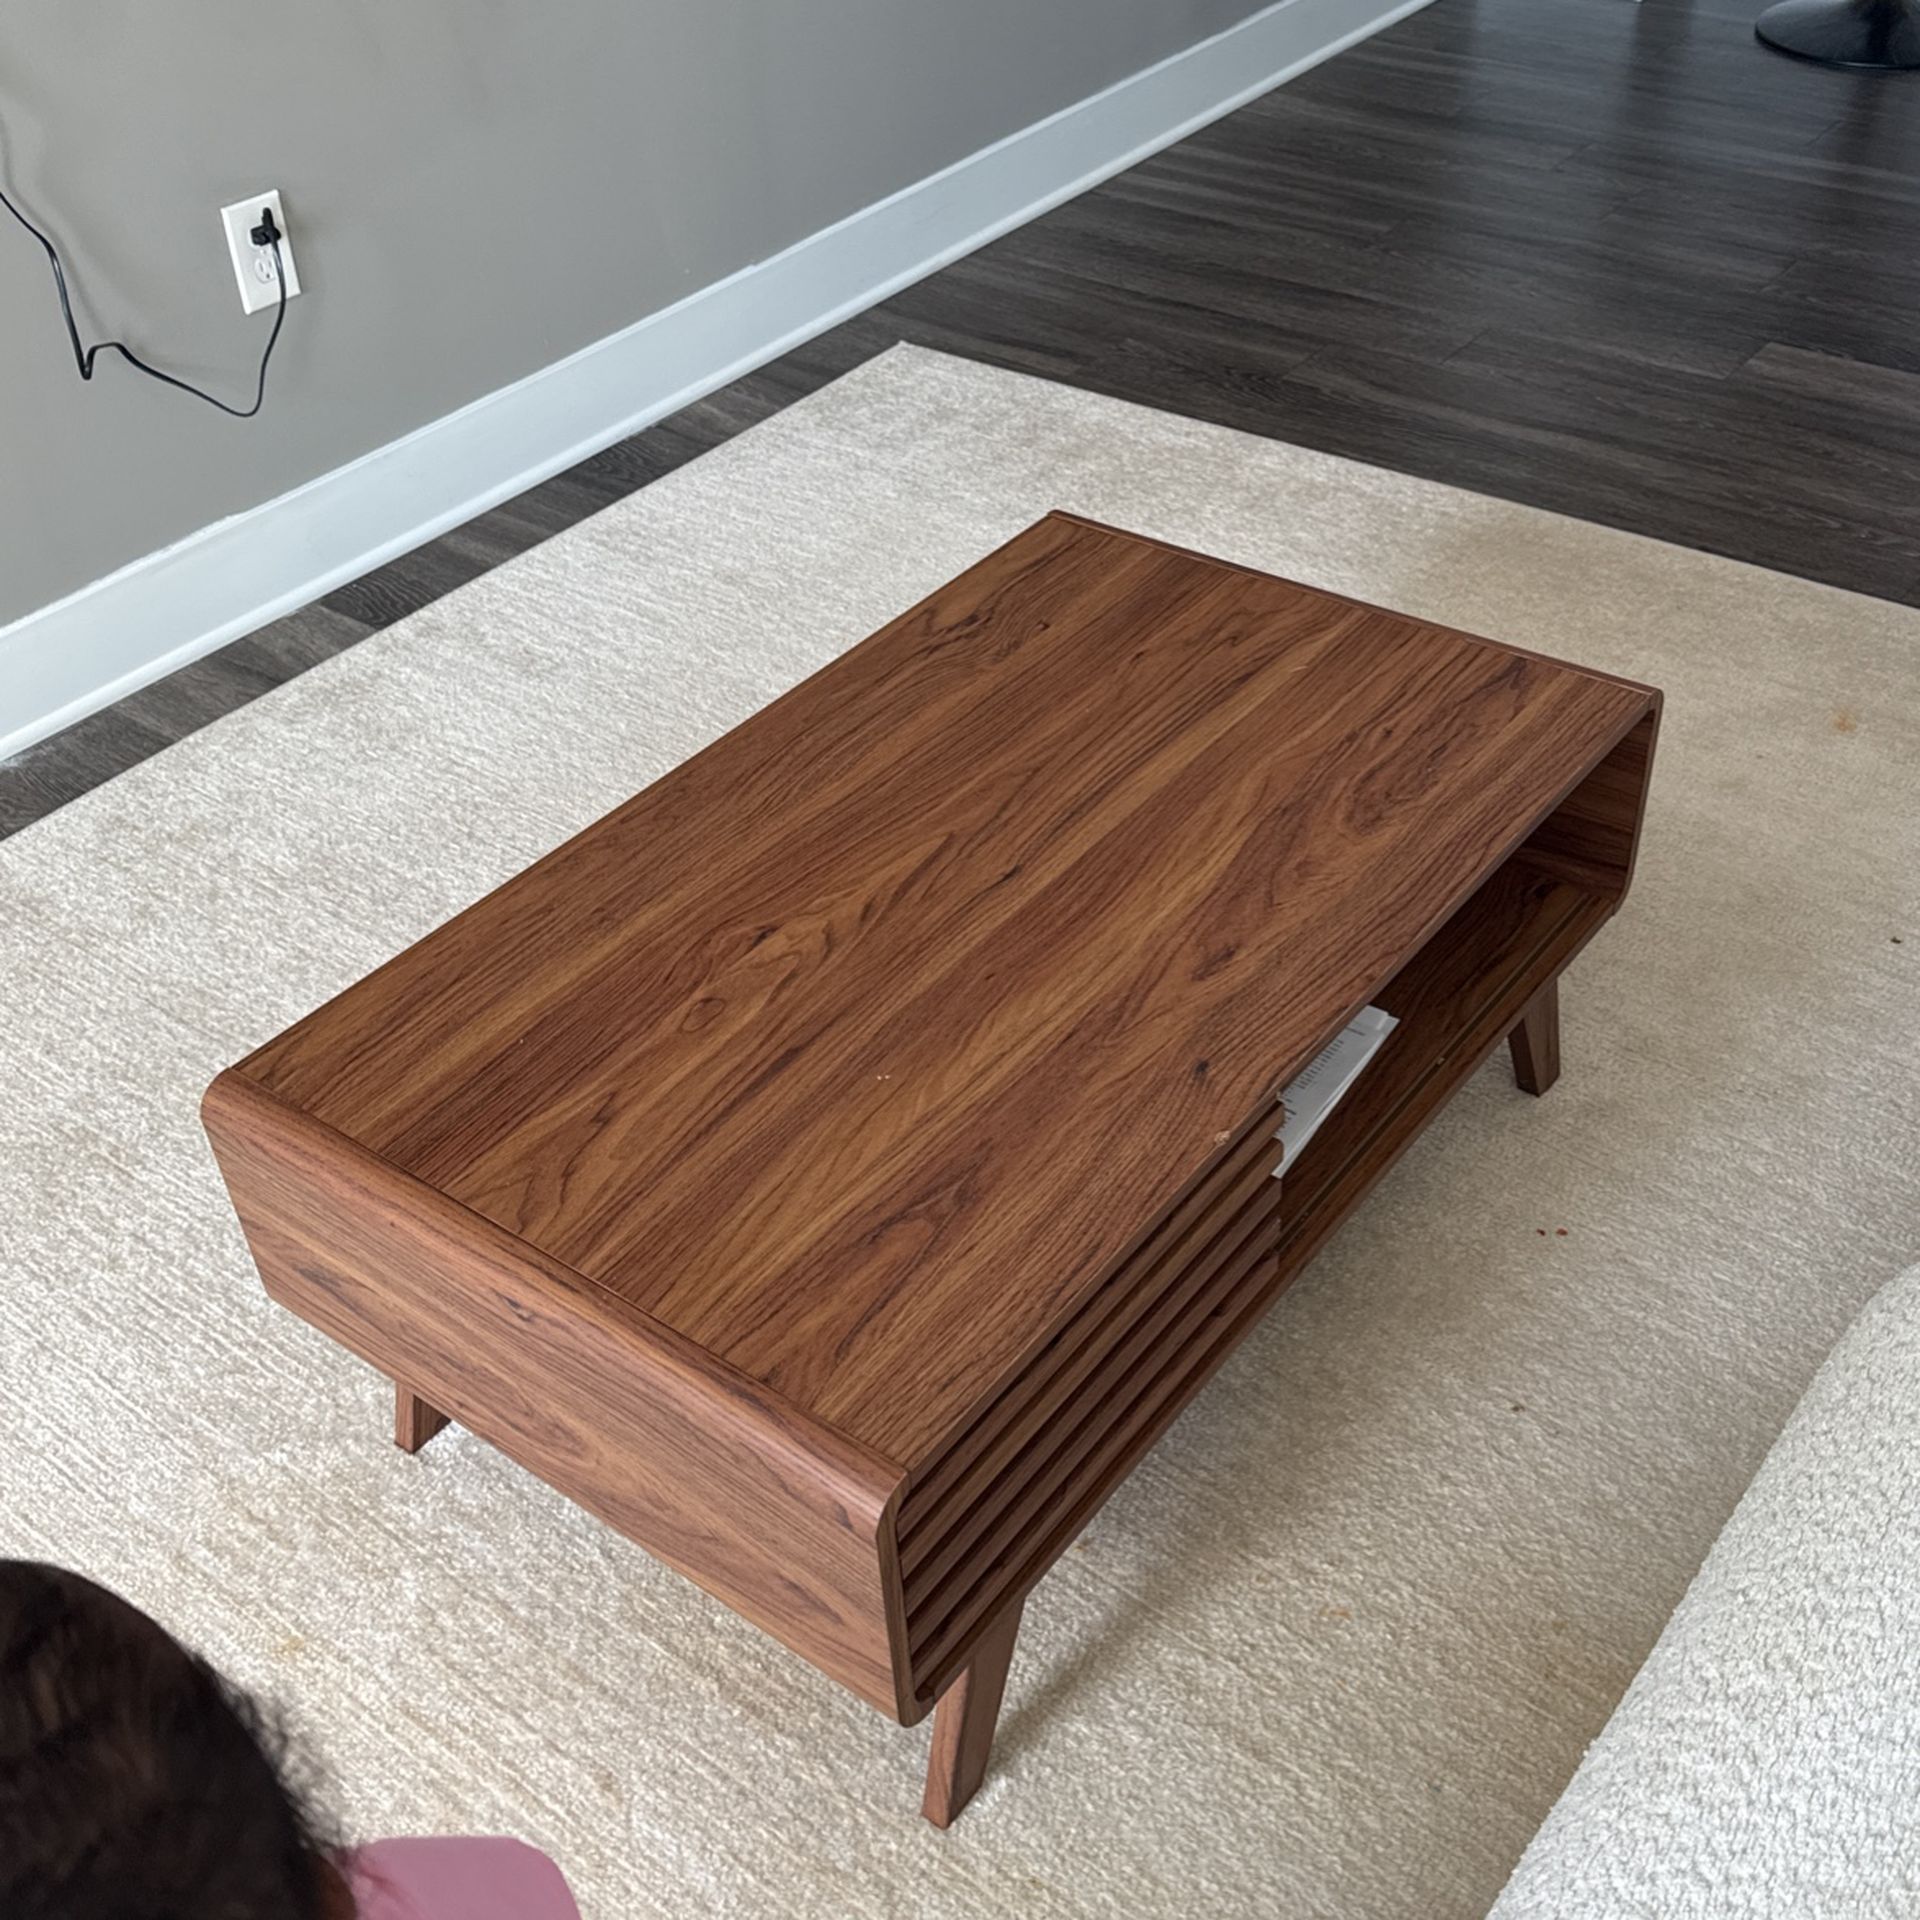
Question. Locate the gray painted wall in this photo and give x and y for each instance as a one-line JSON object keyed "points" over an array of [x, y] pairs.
{"points": [[475, 188]]}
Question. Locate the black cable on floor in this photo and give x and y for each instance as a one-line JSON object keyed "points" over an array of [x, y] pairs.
{"points": [[84, 356]]}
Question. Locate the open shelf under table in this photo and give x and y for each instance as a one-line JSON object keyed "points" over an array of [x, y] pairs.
{"points": [[985, 1520], [1455, 1000]]}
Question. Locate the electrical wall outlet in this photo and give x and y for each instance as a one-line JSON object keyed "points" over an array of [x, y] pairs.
{"points": [[253, 266]]}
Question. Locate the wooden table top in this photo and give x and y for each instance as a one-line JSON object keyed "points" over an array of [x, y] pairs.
{"points": [[859, 1046]]}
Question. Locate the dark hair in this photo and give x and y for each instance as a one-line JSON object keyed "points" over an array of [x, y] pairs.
{"points": [[135, 1783]]}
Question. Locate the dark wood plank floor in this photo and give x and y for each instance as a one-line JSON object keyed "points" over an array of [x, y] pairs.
{"points": [[1608, 258]]}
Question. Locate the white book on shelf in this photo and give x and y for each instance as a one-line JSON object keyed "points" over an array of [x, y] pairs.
{"points": [[1314, 1092]]}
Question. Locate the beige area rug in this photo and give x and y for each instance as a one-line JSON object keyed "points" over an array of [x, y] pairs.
{"points": [[1335, 1647]]}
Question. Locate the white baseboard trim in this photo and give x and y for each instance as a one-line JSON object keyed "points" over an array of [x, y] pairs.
{"points": [[69, 659]]}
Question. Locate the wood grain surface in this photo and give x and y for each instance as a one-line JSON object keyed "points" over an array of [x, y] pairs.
{"points": [[838, 1166], [789, 1524], [1064, 1435], [863, 1045]]}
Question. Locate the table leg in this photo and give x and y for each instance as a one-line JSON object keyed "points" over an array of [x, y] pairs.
{"points": [[414, 1421], [1535, 1042], [963, 1723]]}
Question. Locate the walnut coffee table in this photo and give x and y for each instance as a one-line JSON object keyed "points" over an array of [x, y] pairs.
{"points": [[835, 1168]]}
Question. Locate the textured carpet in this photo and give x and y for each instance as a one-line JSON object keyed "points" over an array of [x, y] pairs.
{"points": [[1337, 1645]]}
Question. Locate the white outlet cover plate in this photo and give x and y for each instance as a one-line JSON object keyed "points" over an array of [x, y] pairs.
{"points": [[253, 266]]}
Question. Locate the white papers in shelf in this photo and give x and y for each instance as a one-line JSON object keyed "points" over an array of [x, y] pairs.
{"points": [[1316, 1090]]}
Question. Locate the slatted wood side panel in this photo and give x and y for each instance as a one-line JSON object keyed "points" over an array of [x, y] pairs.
{"points": [[980, 1527], [1073, 1463], [1010, 1478], [955, 1477]]}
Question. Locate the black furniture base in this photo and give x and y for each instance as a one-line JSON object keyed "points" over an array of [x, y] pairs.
{"points": [[1877, 34]]}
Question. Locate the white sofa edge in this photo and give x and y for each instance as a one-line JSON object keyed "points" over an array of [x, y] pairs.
{"points": [[1766, 1759]]}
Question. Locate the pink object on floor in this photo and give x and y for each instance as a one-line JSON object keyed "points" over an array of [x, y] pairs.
{"points": [[456, 1880]]}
